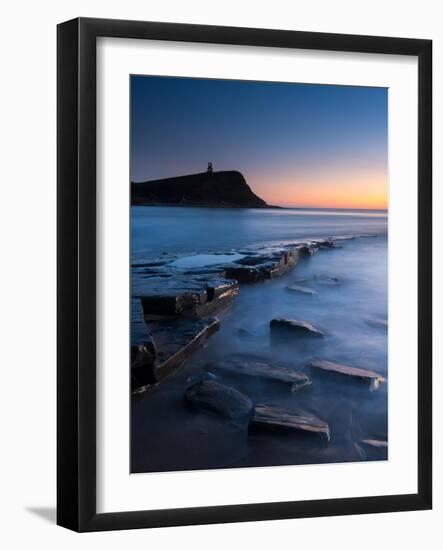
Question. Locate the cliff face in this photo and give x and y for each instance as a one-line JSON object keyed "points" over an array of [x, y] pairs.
{"points": [[213, 189]]}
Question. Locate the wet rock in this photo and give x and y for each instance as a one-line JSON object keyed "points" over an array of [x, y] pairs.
{"points": [[353, 374], [219, 288], [374, 443], [143, 359], [242, 274], [269, 416], [208, 271], [373, 449], [239, 366], [178, 339], [308, 249], [301, 289], [218, 398], [294, 328], [329, 247], [172, 304], [327, 244], [261, 267], [154, 263], [326, 280], [252, 260], [188, 297]]}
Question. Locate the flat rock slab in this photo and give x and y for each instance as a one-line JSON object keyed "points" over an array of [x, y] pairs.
{"points": [[301, 289], [268, 416], [371, 378], [190, 297], [218, 398], [326, 280], [374, 443], [261, 369], [176, 340], [261, 267], [295, 328], [143, 360]]}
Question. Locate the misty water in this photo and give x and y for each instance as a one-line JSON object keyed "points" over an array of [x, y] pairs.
{"points": [[349, 303]]}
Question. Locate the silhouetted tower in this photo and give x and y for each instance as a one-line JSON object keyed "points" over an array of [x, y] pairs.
{"points": [[209, 167]]}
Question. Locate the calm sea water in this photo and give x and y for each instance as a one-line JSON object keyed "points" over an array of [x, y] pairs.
{"points": [[348, 312], [179, 230]]}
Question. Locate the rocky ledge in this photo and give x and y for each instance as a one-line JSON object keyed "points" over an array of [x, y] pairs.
{"points": [[352, 374], [178, 305]]}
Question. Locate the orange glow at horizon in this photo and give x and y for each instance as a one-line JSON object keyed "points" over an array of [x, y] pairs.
{"points": [[368, 190]]}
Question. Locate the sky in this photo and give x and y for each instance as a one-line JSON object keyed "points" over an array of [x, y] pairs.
{"points": [[299, 145]]}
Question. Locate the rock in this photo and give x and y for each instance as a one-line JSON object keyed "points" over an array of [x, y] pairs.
{"points": [[268, 416], [187, 297], [170, 305], [261, 267], [308, 249], [326, 280], [373, 449], [153, 263], [295, 328], [239, 366], [301, 289], [327, 244], [374, 443], [143, 359], [224, 400], [371, 378], [242, 274], [329, 247], [221, 288], [177, 339]]}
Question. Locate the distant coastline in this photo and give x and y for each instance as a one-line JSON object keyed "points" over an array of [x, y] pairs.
{"points": [[226, 189]]}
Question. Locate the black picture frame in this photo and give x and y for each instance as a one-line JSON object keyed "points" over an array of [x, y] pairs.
{"points": [[76, 295]]}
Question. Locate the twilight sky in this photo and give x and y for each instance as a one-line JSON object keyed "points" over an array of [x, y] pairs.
{"points": [[296, 144]]}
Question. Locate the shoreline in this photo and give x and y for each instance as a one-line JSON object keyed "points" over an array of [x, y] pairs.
{"points": [[196, 292], [179, 417]]}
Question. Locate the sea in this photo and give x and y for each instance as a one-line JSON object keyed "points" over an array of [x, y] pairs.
{"points": [[348, 302]]}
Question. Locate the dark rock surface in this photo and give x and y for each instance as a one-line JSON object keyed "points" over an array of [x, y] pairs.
{"points": [[174, 301], [261, 267], [187, 297], [374, 443], [295, 328], [143, 359], [213, 189], [326, 280], [371, 378], [373, 449], [244, 366], [268, 416], [302, 289], [176, 340], [224, 400]]}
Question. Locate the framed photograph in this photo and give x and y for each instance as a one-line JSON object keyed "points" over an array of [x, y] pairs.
{"points": [[244, 274]]}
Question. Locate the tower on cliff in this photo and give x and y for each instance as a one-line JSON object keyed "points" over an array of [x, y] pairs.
{"points": [[209, 167]]}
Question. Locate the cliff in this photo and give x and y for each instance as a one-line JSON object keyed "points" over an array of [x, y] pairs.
{"points": [[226, 189]]}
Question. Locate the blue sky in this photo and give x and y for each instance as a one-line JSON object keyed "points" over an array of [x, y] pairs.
{"points": [[296, 144]]}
